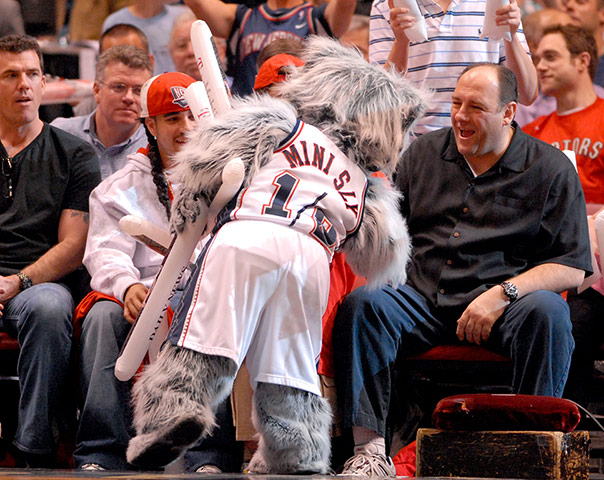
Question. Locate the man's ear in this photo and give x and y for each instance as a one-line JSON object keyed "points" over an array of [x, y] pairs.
{"points": [[96, 88], [584, 58], [150, 122], [509, 113]]}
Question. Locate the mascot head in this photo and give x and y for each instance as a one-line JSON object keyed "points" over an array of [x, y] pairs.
{"points": [[368, 109]]}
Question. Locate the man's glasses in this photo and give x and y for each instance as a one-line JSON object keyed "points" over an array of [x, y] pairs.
{"points": [[6, 183], [122, 89]]}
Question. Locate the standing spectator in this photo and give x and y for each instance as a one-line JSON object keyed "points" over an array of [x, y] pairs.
{"points": [[498, 226], [11, 19], [47, 176], [87, 16], [114, 129], [249, 30], [589, 14], [124, 34], [566, 62], [453, 43], [155, 19]]}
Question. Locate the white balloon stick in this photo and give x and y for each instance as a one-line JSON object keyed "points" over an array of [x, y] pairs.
{"points": [[154, 308], [208, 64], [198, 100], [489, 28], [417, 33], [150, 316], [148, 234]]}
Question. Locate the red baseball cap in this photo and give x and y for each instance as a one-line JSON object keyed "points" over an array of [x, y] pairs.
{"points": [[269, 70], [165, 93]]}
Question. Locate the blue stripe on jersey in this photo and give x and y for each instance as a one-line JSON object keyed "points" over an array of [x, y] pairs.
{"points": [[290, 135]]}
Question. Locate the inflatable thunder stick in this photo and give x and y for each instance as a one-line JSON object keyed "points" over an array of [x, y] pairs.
{"points": [[208, 64], [144, 335], [489, 28], [418, 32], [153, 311]]}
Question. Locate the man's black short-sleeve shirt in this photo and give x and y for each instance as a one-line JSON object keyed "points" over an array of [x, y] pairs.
{"points": [[56, 171]]}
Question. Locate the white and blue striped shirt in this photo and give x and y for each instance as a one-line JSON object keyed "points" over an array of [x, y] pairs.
{"points": [[453, 43]]}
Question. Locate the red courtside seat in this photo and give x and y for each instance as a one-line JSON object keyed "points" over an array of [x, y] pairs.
{"points": [[463, 367]]}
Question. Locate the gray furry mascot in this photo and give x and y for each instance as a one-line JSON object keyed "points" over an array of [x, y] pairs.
{"points": [[261, 284]]}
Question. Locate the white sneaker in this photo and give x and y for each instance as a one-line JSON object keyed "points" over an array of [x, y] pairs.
{"points": [[369, 465], [208, 469], [92, 466]]}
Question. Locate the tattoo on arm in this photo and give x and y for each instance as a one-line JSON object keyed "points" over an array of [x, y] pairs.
{"points": [[85, 215]]}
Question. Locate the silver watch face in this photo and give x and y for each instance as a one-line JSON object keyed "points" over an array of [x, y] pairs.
{"points": [[510, 290]]}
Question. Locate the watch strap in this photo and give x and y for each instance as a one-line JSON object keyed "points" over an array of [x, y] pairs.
{"points": [[24, 281]]}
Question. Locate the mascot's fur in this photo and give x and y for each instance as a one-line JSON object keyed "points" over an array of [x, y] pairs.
{"points": [[366, 111]]}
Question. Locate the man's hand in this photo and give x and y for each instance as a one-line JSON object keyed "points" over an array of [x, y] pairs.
{"points": [[9, 287], [509, 15], [133, 301], [400, 21], [476, 321]]}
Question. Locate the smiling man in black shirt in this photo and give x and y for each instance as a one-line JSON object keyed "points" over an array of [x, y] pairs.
{"points": [[498, 225]]}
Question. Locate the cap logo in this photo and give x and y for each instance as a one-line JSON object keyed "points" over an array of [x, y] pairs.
{"points": [[179, 96]]}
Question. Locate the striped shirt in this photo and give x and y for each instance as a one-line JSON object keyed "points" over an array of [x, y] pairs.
{"points": [[454, 43]]}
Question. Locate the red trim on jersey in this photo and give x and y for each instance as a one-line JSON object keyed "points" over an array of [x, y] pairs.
{"points": [[309, 20], [239, 202], [245, 19], [271, 18]]}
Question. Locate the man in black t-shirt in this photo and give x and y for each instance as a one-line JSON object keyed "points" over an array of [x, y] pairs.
{"points": [[46, 178]]}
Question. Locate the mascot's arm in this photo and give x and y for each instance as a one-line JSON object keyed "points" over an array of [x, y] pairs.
{"points": [[252, 130], [381, 247]]}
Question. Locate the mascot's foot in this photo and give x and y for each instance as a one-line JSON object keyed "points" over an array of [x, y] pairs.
{"points": [[294, 428], [174, 400], [158, 449], [257, 463]]}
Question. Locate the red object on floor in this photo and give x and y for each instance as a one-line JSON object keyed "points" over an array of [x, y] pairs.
{"points": [[404, 461]]}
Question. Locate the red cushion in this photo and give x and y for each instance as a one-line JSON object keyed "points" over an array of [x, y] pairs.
{"points": [[484, 411], [461, 352]]}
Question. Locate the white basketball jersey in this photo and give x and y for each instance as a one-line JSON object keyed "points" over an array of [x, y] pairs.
{"points": [[309, 185]]}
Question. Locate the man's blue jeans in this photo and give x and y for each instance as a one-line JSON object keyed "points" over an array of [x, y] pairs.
{"points": [[373, 328], [41, 319], [106, 416]]}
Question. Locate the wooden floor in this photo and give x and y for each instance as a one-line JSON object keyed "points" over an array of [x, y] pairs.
{"points": [[22, 474]]}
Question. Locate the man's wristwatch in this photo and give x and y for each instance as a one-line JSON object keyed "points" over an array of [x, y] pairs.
{"points": [[510, 290], [25, 281]]}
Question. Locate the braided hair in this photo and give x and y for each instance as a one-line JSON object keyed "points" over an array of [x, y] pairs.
{"points": [[157, 170]]}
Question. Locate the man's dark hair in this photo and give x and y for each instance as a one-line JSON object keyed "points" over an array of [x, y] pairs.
{"points": [[21, 43], [281, 45], [508, 85], [122, 30], [578, 40]]}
